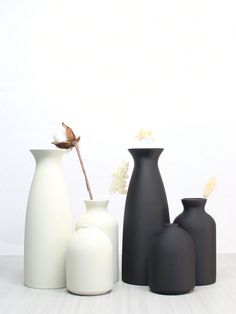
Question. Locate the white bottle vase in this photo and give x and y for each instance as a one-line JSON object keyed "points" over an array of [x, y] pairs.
{"points": [[48, 225], [89, 262], [98, 216]]}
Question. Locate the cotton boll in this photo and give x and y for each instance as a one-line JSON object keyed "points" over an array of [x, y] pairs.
{"points": [[60, 135]]}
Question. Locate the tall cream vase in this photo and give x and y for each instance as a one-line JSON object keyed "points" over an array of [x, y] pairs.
{"points": [[98, 216], [48, 224]]}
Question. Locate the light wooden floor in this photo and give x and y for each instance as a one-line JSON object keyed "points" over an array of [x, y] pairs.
{"points": [[17, 299]]}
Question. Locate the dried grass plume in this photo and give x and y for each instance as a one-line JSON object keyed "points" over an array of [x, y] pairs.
{"points": [[144, 134], [119, 179], [209, 188]]}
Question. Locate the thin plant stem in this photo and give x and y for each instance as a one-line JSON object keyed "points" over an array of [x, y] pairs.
{"points": [[84, 171]]}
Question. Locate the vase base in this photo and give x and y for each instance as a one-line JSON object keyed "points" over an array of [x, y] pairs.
{"points": [[44, 287], [135, 283], [205, 283], [170, 292], [88, 293]]}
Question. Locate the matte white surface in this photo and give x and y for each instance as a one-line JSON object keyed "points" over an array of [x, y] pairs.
{"points": [[89, 262], [109, 68], [48, 226], [97, 215], [124, 299]]}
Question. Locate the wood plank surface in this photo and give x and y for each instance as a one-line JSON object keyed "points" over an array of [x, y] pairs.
{"points": [[15, 298]]}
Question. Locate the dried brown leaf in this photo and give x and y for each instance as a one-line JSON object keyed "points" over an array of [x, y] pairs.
{"points": [[65, 145], [69, 133]]}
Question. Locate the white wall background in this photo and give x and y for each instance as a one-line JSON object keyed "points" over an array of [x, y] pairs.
{"points": [[109, 68]]}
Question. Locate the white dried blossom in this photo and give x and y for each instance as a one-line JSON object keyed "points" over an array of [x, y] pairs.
{"points": [[144, 134], [144, 139], [59, 135], [119, 179]]}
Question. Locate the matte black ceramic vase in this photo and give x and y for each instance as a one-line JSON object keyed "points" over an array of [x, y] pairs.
{"points": [[146, 211], [202, 229], [172, 261]]}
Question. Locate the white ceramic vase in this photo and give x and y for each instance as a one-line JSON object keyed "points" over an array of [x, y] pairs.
{"points": [[48, 225], [89, 262], [97, 215]]}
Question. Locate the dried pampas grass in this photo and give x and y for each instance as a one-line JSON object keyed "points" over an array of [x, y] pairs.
{"points": [[210, 186], [144, 134], [119, 179]]}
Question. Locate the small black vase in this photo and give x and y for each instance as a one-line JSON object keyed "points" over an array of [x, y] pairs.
{"points": [[172, 261], [202, 229], [146, 211]]}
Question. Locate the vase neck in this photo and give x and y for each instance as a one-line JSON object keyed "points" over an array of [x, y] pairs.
{"points": [[194, 204], [93, 205], [146, 154], [53, 155], [170, 225]]}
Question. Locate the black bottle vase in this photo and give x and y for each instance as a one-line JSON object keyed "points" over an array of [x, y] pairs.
{"points": [[146, 211], [202, 229], [172, 261]]}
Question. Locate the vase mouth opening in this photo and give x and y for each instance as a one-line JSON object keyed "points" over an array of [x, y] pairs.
{"points": [[40, 154], [48, 150], [97, 203], [150, 153], [194, 202], [145, 148], [86, 226], [169, 224], [194, 199]]}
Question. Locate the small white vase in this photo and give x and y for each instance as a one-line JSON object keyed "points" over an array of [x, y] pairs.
{"points": [[97, 215], [89, 262], [48, 225]]}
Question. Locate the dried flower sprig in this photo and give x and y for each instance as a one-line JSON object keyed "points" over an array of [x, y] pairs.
{"points": [[209, 188], [119, 179], [69, 140], [144, 134]]}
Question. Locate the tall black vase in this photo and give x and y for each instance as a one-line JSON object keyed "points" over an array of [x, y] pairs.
{"points": [[172, 261], [202, 229], [146, 211]]}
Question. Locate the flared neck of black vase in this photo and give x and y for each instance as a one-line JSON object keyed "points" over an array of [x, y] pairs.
{"points": [[171, 225], [194, 203], [151, 154]]}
